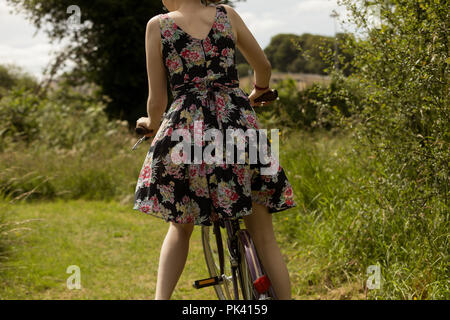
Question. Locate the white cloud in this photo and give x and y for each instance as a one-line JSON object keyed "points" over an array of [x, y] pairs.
{"points": [[266, 22], [32, 58], [264, 18], [315, 7]]}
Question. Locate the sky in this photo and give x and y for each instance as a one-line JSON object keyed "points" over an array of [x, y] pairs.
{"points": [[21, 45]]}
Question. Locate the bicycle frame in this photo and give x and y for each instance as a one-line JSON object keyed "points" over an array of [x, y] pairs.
{"points": [[232, 228], [241, 251]]}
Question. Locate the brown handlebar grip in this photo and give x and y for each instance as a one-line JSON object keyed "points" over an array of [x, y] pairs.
{"points": [[268, 96], [142, 130]]}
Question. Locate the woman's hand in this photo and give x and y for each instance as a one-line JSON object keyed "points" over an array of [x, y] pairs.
{"points": [[147, 123], [255, 94]]}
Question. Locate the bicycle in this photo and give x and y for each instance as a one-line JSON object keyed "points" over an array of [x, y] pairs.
{"points": [[245, 272]]}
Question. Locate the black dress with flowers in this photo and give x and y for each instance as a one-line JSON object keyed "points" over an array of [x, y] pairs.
{"points": [[205, 86]]}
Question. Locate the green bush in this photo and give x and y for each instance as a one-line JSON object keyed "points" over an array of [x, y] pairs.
{"points": [[317, 107], [386, 204], [243, 69], [392, 210], [13, 76], [62, 145]]}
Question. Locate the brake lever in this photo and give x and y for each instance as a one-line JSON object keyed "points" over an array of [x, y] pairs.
{"points": [[144, 138]]}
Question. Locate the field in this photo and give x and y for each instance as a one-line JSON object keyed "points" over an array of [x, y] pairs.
{"points": [[117, 248]]}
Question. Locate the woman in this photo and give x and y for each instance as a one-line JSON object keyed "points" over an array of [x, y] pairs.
{"points": [[194, 46]]}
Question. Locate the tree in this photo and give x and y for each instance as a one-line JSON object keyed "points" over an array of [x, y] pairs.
{"points": [[108, 48], [300, 53]]}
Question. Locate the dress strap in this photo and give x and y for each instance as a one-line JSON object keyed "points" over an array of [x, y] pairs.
{"points": [[223, 24], [166, 27]]}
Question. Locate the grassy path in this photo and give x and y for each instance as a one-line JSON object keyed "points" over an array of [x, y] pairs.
{"points": [[117, 250]]}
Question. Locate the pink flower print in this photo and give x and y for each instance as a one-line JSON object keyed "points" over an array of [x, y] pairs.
{"points": [[185, 199], [214, 198], [147, 172], [173, 65], [192, 171], [185, 53], [167, 33], [225, 52], [251, 119], [288, 192], [220, 26], [240, 173], [200, 192], [209, 48], [154, 201], [231, 194], [202, 170], [145, 208], [195, 56], [207, 45], [220, 102]]}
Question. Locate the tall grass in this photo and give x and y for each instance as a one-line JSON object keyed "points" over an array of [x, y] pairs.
{"points": [[348, 222], [63, 145], [347, 219]]}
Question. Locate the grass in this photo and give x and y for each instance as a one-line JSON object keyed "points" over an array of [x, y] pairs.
{"points": [[341, 226], [116, 248], [117, 251]]}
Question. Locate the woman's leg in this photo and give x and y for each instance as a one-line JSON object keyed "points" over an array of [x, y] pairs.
{"points": [[174, 252], [259, 224]]}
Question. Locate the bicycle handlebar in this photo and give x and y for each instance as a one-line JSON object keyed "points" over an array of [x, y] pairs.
{"points": [[268, 96], [142, 130]]}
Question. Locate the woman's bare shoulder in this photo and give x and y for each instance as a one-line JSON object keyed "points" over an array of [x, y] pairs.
{"points": [[154, 20], [153, 24]]}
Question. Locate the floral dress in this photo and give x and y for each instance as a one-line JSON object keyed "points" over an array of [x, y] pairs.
{"points": [[205, 86]]}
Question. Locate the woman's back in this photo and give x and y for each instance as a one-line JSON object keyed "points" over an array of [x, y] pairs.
{"points": [[197, 64], [185, 188]]}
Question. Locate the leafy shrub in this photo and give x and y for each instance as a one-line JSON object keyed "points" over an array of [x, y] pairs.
{"points": [[13, 76], [317, 107], [62, 145], [243, 69], [396, 214]]}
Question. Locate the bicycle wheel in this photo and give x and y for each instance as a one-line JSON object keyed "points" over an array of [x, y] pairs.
{"points": [[245, 276], [215, 250], [255, 285]]}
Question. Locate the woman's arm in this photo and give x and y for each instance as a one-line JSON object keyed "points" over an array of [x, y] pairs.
{"points": [[157, 78], [251, 51]]}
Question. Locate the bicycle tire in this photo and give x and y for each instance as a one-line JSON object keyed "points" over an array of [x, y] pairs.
{"points": [[223, 291], [245, 276], [250, 261]]}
